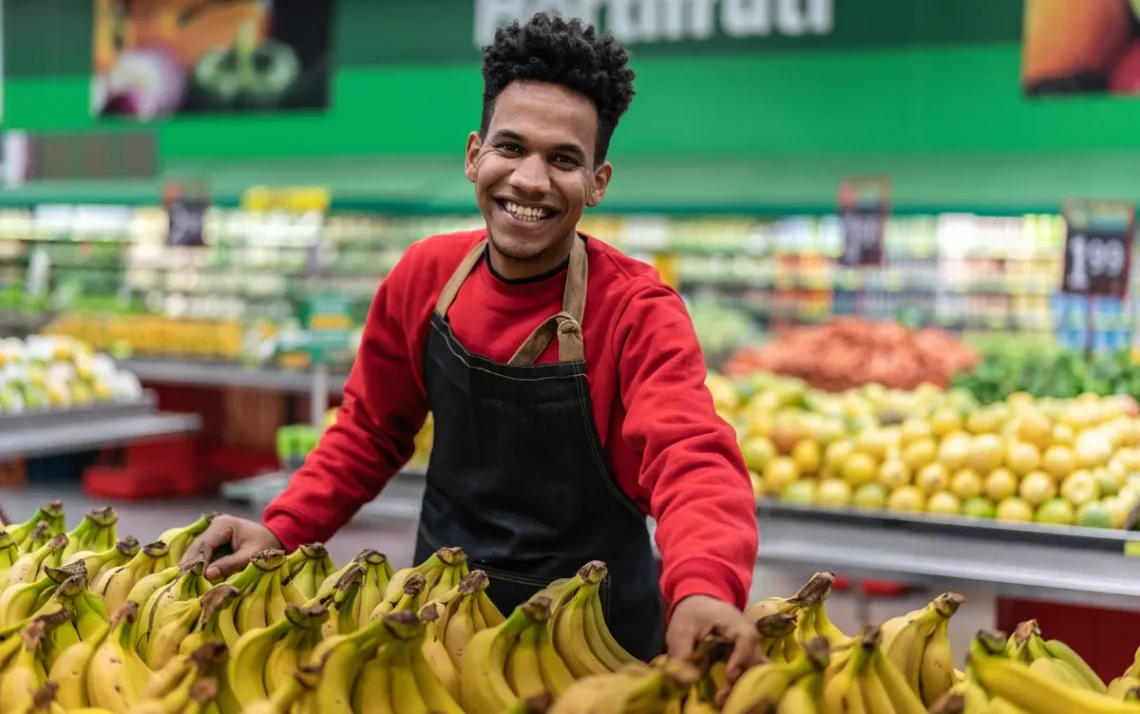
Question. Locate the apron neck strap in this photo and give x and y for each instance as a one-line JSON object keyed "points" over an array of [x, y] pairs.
{"points": [[566, 325]]}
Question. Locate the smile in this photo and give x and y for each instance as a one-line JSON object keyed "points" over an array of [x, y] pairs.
{"points": [[525, 214]]}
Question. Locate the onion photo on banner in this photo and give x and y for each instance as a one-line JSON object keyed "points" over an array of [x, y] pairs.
{"points": [[158, 58]]}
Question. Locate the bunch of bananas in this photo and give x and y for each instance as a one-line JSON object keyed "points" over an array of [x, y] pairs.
{"points": [[95, 624], [1027, 674]]}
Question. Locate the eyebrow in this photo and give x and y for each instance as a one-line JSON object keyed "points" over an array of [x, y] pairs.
{"points": [[515, 136]]}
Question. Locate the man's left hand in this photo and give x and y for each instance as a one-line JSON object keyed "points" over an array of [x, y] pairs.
{"points": [[698, 616]]}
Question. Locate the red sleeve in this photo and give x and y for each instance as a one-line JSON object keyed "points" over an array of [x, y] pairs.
{"points": [[700, 491], [383, 409]]}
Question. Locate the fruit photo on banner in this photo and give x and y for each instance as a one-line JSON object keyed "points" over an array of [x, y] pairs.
{"points": [[1081, 47], [156, 58]]}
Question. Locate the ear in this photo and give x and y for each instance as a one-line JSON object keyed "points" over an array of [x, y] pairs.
{"points": [[597, 192], [470, 163]]}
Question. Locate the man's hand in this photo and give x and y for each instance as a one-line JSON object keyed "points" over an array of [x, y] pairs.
{"points": [[698, 616], [246, 538]]}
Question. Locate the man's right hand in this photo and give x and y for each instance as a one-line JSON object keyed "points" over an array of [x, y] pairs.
{"points": [[246, 538]]}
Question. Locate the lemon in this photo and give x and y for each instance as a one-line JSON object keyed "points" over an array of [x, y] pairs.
{"points": [[1093, 449], [1058, 461], [800, 493], [1096, 514], [1055, 511], [1018, 400], [874, 443], [999, 485], [954, 452], [966, 483], [907, 499], [945, 421], [932, 477], [919, 453], [757, 484], [985, 453], [944, 503], [833, 493], [808, 456], [1117, 510], [978, 507], [836, 453], [1064, 435], [894, 474], [858, 469], [983, 421], [1023, 457], [913, 430], [1014, 509], [870, 495], [1079, 488], [1036, 488], [757, 451], [1034, 427], [779, 472]]}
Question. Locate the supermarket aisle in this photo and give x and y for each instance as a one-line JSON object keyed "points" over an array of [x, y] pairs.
{"points": [[397, 539]]}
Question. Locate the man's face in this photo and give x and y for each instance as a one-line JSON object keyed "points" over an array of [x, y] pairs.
{"points": [[534, 172]]}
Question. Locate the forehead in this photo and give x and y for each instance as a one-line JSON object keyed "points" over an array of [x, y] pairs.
{"points": [[546, 113]]}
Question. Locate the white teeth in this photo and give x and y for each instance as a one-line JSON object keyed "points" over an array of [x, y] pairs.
{"points": [[526, 213]]}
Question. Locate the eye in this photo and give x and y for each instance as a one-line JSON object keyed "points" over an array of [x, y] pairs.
{"points": [[565, 160], [511, 148]]}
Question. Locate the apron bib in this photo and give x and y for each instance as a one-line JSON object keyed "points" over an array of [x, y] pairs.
{"points": [[517, 477]]}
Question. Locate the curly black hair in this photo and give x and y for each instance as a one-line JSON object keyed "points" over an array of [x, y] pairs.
{"points": [[565, 52]]}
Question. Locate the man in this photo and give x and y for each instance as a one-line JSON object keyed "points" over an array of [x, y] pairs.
{"points": [[565, 380]]}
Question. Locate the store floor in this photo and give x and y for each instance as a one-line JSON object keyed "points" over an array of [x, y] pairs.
{"points": [[145, 520]]}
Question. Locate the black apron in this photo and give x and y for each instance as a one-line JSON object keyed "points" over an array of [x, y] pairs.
{"points": [[517, 477]]}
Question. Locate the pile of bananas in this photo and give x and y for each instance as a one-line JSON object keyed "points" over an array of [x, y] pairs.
{"points": [[96, 624]]}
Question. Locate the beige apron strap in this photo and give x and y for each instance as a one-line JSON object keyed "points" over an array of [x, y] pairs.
{"points": [[567, 325], [451, 289]]}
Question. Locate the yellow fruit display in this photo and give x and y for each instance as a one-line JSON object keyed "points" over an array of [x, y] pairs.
{"points": [[932, 478], [858, 468], [1036, 488], [1000, 485], [1023, 458], [985, 453], [808, 456], [907, 499], [966, 483], [779, 472], [894, 474]]}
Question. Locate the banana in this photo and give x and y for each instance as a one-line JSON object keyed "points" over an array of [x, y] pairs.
{"points": [[343, 602], [460, 626], [290, 651], [24, 675], [803, 696], [810, 592], [570, 638], [339, 659], [247, 665], [308, 566], [904, 638], [177, 540], [96, 562], [482, 668], [373, 689], [414, 687], [287, 698], [30, 567], [116, 675], [9, 554], [436, 654], [602, 642], [1026, 689], [375, 562], [936, 670], [114, 584], [555, 674], [70, 671], [18, 602], [523, 671], [773, 631], [178, 602], [95, 533], [1062, 652], [431, 569], [263, 594], [654, 689], [843, 693], [29, 536], [216, 622]]}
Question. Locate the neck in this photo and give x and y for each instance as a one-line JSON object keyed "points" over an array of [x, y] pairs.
{"points": [[543, 265]]}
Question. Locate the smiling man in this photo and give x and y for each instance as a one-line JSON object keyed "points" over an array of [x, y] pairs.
{"points": [[565, 380]]}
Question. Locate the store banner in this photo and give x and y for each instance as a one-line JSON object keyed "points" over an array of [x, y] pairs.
{"points": [[155, 58], [1081, 47]]}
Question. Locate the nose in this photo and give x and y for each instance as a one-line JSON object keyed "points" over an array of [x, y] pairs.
{"points": [[530, 175]]}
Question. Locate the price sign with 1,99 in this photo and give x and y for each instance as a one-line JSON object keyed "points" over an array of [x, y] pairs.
{"points": [[1098, 248], [863, 209]]}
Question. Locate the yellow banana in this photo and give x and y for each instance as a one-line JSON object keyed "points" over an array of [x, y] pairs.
{"points": [[212, 624], [293, 649], [286, 698], [570, 638], [1062, 652], [9, 554], [601, 640], [460, 629], [936, 671], [436, 654], [180, 538], [803, 696], [30, 568], [1024, 688], [95, 533], [24, 674], [51, 513], [373, 688], [764, 685], [523, 671], [114, 584], [116, 675], [247, 662], [308, 566], [70, 672], [482, 671], [406, 694], [905, 637], [810, 592], [653, 689], [903, 699]]}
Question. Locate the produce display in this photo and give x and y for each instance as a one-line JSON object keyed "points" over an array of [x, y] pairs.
{"points": [[1048, 371], [58, 373], [96, 624], [1054, 461], [294, 442], [849, 352]]}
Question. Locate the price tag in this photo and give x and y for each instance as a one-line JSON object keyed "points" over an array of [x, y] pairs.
{"points": [[864, 206], [1098, 247]]}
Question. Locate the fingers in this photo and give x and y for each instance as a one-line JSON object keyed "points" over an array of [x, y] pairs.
{"points": [[680, 639], [228, 565], [744, 649], [219, 532]]}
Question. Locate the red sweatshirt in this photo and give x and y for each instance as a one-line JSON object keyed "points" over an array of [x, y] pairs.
{"points": [[669, 449]]}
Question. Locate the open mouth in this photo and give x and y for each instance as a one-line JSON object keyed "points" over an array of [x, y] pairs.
{"points": [[526, 214]]}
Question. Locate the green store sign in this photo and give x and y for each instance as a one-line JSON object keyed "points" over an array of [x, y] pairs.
{"points": [[659, 21]]}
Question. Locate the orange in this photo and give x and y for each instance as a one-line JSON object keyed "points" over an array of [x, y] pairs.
{"points": [[1063, 37]]}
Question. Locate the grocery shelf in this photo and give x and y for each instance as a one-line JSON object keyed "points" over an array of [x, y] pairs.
{"points": [[226, 375], [1063, 564], [399, 501], [65, 431]]}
